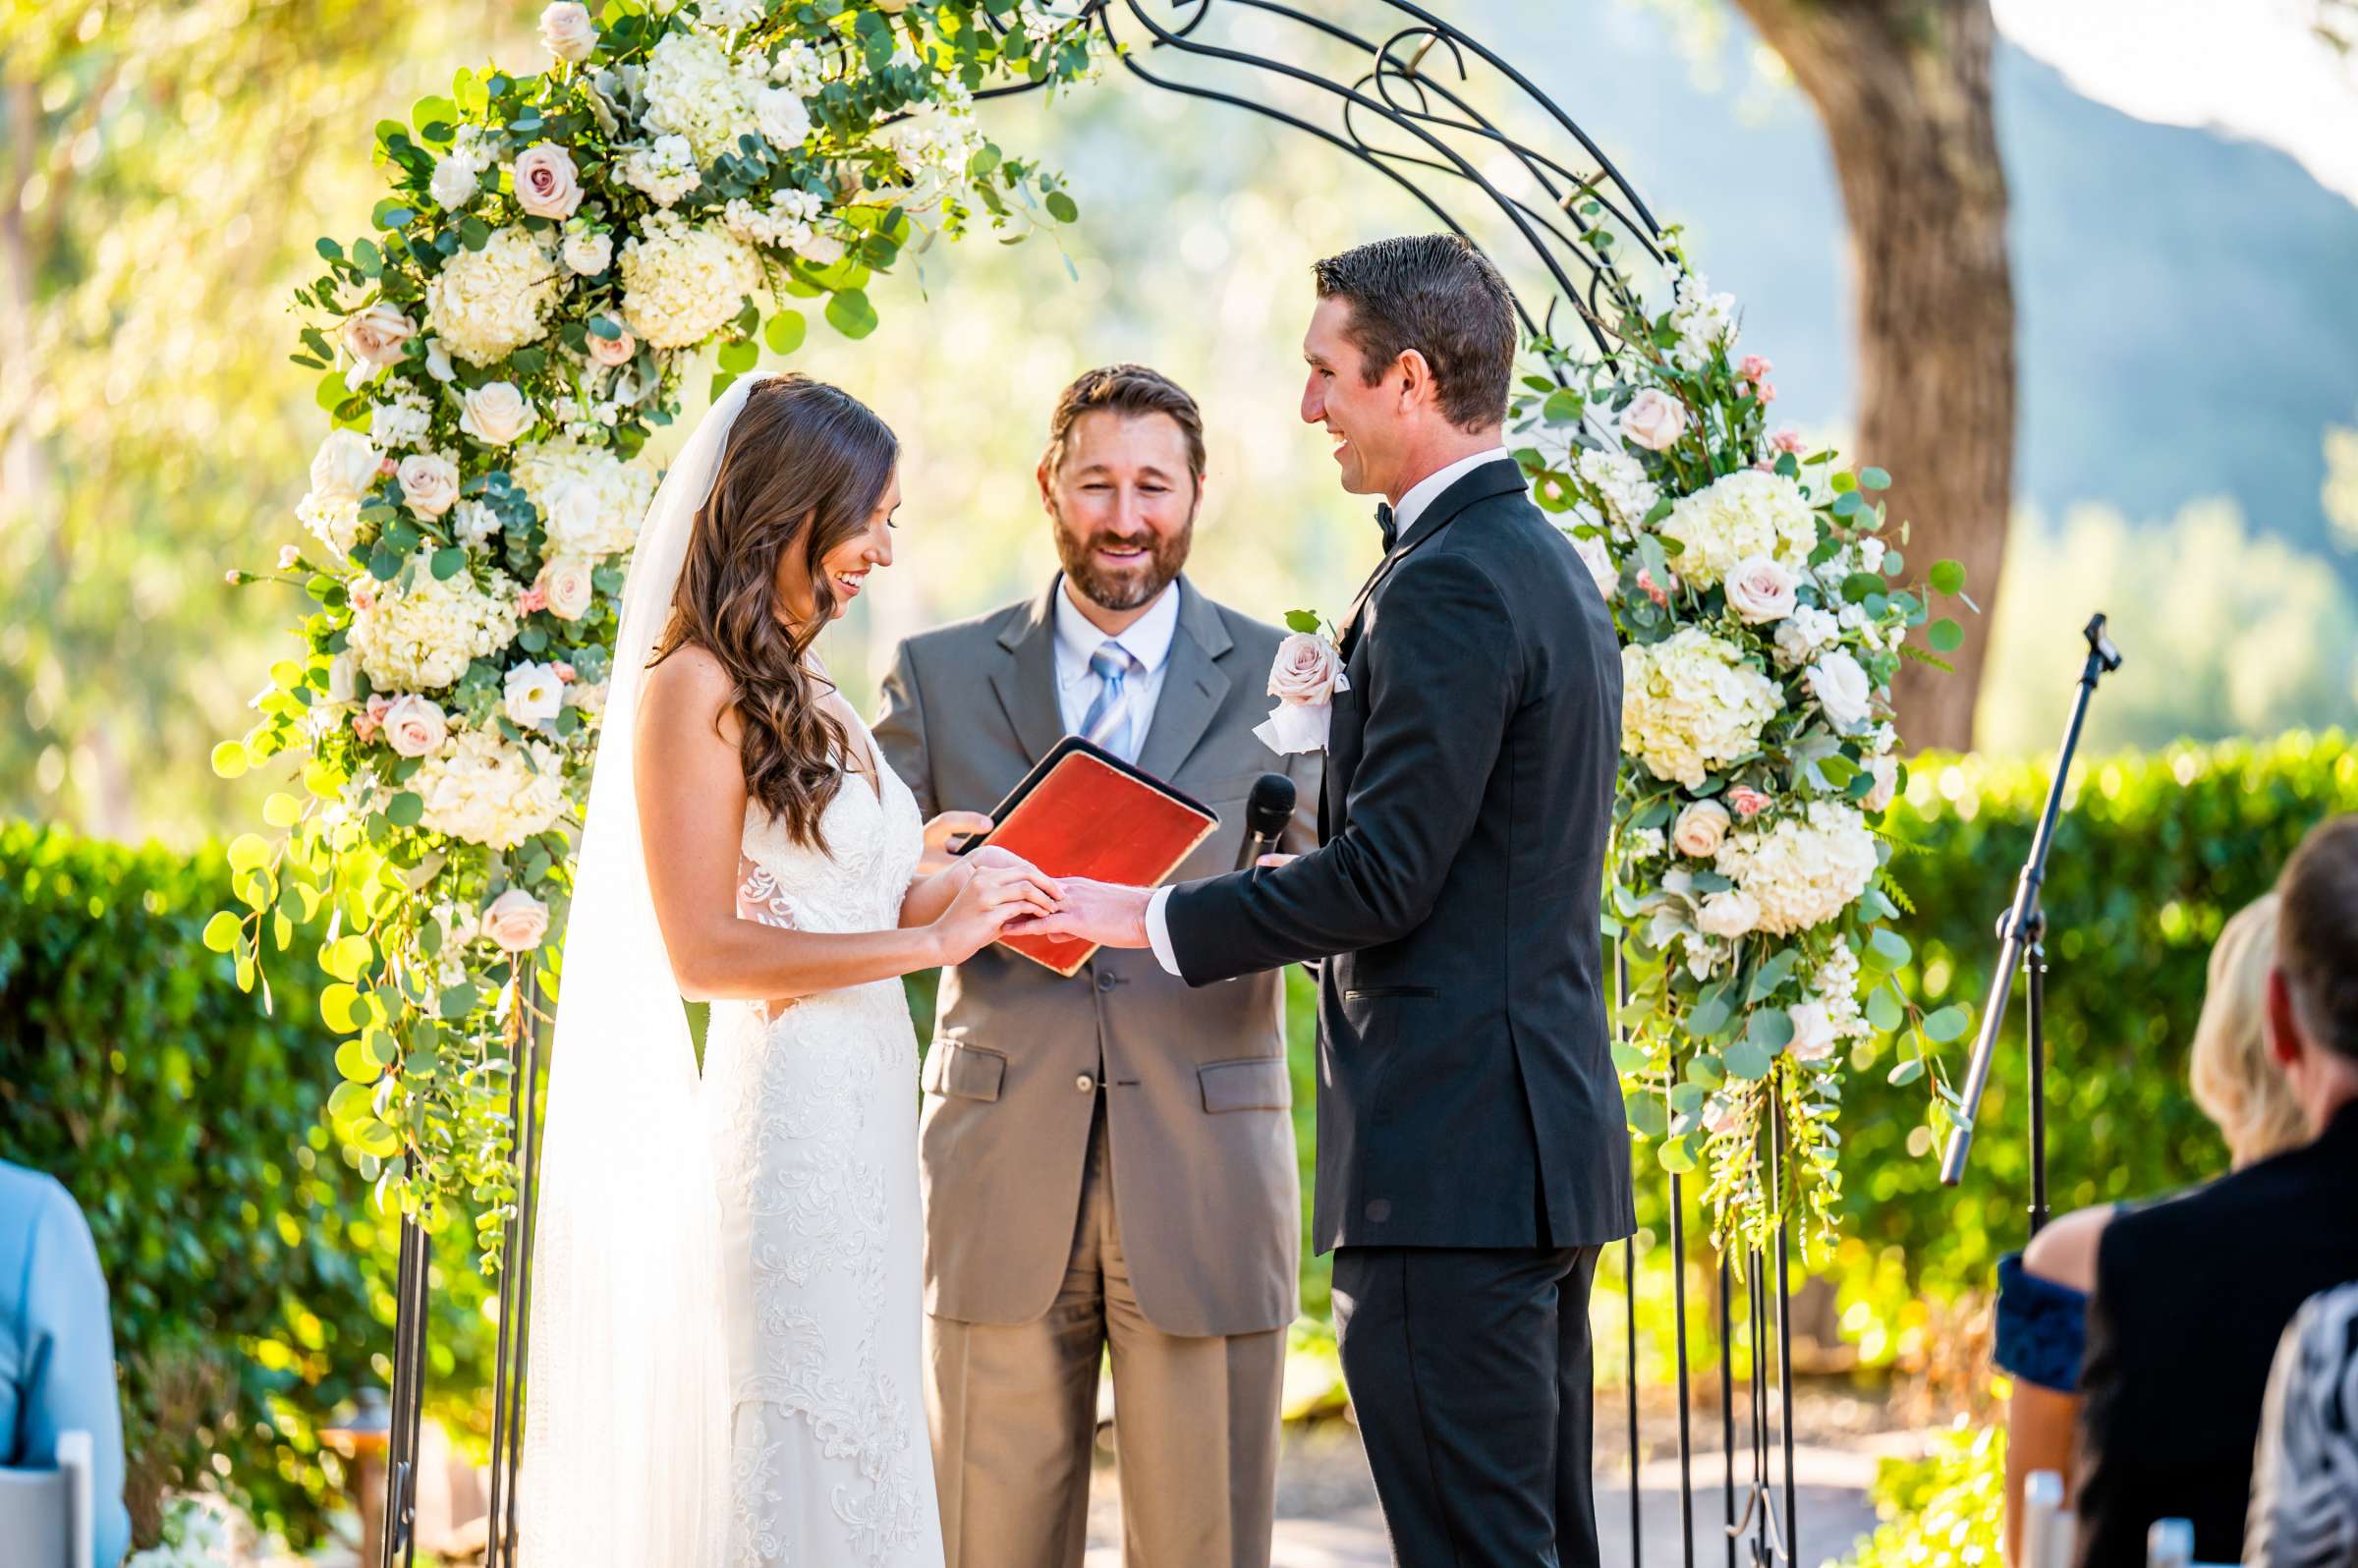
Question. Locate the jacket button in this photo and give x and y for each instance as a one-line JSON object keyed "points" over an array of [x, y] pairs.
{"points": [[1107, 982], [1085, 1083], [1378, 1210]]}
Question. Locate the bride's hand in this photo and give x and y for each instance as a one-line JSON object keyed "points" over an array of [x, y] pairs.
{"points": [[939, 833], [997, 890]]}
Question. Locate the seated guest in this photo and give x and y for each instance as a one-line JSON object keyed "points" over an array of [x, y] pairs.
{"points": [[2192, 1292], [2043, 1291], [57, 1353], [2305, 1476]]}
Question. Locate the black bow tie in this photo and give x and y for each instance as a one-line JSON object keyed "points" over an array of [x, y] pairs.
{"points": [[1384, 521]]}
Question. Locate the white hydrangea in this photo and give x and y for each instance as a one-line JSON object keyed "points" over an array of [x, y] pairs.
{"points": [[1621, 481], [1802, 873], [798, 70], [1703, 321], [402, 421], [421, 637], [728, 16], [1690, 701], [488, 790], [665, 168], [1802, 634], [590, 501], [485, 304], [787, 223], [334, 520], [693, 90], [1747, 513], [681, 283]]}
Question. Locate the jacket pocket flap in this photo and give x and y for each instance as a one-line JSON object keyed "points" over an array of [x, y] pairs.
{"points": [[953, 1067], [1256, 1083]]}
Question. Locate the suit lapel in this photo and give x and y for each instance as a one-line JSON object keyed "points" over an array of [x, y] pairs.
{"points": [[1026, 682], [1503, 477], [1192, 685]]}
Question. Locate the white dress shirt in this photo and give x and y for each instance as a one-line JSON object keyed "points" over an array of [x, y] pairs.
{"points": [[1148, 641], [1421, 495]]}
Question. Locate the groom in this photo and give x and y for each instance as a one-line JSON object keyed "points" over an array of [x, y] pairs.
{"points": [[1473, 1155]]}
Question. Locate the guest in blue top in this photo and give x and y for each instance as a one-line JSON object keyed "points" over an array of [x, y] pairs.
{"points": [[2043, 1290], [57, 1352]]}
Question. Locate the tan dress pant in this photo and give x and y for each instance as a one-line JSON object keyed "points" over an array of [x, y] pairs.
{"points": [[1014, 1411]]}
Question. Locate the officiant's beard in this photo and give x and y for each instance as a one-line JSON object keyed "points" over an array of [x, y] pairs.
{"points": [[1129, 587]]}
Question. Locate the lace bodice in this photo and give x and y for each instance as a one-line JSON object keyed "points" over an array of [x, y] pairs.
{"points": [[856, 883]]}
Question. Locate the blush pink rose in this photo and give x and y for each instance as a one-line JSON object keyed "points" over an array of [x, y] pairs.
{"points": [[613, 350], [1307, 670], [546, 184], [415, 726], [376, 336], [1700, 829], [369, 719], [568, 31], [565, 586], [516, 921], [1759, 591], [1655, 420], [529, 601], [1753, 368], [1787, 439], [1747, 803], [430, 483]]}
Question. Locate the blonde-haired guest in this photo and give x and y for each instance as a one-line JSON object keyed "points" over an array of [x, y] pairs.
{"points": [[2043, 1290]]}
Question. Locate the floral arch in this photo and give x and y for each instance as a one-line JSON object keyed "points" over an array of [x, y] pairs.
{"points": [[556, 253]]}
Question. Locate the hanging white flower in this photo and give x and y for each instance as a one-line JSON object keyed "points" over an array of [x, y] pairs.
{"points": [[485, 304], [1703, 321], [665, 168], [1620, 480], [1691, 702]]}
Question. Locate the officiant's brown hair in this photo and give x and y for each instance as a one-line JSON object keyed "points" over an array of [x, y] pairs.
{"points": [[1130, 390], [1435, 293], [804, 468]]}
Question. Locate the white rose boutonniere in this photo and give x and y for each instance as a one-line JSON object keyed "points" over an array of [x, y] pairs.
{"points": [[1304, 678]]}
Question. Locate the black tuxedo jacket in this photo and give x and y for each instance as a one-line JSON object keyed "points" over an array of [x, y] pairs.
{"points": [[1467, 1096]]}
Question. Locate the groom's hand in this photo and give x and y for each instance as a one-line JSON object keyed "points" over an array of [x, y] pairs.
{"points": [[1107, 913]]}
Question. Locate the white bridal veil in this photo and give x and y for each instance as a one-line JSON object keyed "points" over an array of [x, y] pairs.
{"points": [[626, 1439]]}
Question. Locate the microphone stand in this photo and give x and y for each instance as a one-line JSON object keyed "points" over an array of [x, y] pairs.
{"points": [[2022, 939]]}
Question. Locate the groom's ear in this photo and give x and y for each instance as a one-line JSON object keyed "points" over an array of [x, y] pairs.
{"points": [[1416, 378]]}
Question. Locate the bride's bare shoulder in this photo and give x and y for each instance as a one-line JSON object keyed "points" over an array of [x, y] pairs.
{"points": [[689, 697]]}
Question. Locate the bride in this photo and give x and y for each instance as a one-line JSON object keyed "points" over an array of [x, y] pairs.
{"points": [[726, 1310]]}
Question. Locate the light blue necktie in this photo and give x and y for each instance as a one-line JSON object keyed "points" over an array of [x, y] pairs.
{"points": [[1108, 722]]}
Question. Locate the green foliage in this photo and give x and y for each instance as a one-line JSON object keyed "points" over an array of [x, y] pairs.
{"points": [[250, 1278], [1948, 1507], [2153, 855]]}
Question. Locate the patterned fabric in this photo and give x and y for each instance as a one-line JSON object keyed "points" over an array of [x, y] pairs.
{"points": [[2042, 1328], [816, 1148], [2305, 1478], [1107, 723]]}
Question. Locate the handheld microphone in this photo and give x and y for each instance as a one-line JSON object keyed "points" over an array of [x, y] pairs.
{"points": [[1267, 809]]}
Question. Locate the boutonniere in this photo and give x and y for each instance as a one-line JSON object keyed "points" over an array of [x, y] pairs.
{"points": [[1304, 678]]}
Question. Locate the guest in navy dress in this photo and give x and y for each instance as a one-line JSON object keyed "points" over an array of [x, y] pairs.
{"points": [[2043, 1290]]}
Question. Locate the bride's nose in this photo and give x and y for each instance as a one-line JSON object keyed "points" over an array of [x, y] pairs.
{"points": [[879, 547]]}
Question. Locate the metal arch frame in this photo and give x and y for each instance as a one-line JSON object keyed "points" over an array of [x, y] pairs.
{"points": [[1427, 117]]}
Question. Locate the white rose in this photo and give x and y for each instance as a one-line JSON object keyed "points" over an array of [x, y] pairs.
{"points": [[1307, 669], [1813, 1031], [533, 693], [430, 483], [1840, 687], [823, 250], [566, 584], [784, 118], [1730, 913], [1886, 783], [341, 671], [1759, 591], [415, 726], [614, 350], [547, 182], [1599, 562], [516, 921], [496, 412], [1655, 420], [589, 253], [344, 467], [456, 181], [377, 335], [1700, 828], [567, 30], [437, 363]]}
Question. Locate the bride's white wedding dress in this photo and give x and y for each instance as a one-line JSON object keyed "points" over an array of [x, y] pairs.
{"points": [[813, 1126]]}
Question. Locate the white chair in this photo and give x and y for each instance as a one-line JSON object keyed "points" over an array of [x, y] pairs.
{"points": [[48, 1518], [2049, 1530]]}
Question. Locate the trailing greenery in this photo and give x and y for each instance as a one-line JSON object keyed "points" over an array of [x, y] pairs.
{"points": [[1948, 1507], [250, 1277]]}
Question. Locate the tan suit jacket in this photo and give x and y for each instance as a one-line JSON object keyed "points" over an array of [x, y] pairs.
{"points": [[1196, 1086]]}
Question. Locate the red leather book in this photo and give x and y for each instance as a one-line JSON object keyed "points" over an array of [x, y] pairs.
{"points": [[1083, 811]]}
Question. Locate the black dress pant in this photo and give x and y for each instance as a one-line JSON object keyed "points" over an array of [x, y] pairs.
{"points": [[1470, 1372]]}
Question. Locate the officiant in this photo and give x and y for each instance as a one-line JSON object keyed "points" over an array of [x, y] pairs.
{"points": [[1108, 1159]]}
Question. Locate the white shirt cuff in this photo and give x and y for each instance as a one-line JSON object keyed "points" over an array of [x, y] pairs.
{"points": [[1159, 931]]}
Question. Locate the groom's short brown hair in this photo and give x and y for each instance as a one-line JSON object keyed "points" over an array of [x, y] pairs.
{"points": [[1130, 390], [1435, 293]]}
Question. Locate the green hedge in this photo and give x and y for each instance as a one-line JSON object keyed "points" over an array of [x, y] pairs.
{"points": [[251, 1280], [2153, 854]]}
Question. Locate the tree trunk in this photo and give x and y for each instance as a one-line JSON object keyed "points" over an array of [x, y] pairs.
{"points": [[1904, 89]]}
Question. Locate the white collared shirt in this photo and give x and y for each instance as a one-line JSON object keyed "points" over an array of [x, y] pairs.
{"points": [[1418, 496], [1147, 640]]}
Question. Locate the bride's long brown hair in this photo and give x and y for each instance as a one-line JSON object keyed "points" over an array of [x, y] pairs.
{"points": [[805, 467]]}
